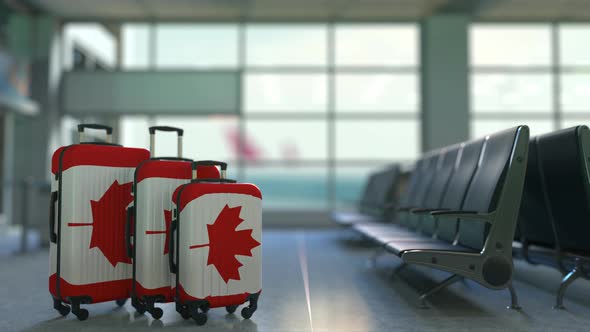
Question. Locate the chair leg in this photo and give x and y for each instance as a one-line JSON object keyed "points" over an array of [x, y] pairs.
{"points": [[444, 284], [565, 282], [513, 298]]}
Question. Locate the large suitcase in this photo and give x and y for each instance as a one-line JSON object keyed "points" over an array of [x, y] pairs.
{"points": [[91, 189], [215, 245], [147, 243]]}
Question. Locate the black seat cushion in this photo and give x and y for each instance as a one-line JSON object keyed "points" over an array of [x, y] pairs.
{"points": [[436, 192], [349, 218], [399, 233], [372, 230], [560, 154], [368, 197], [413, 184], [380, 192], [457, 187], [426, 174], [486, 186], [385, 238], [399, 247], [535, 224]]}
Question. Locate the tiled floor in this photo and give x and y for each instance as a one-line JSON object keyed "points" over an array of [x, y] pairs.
{"points": [[317, 281]]}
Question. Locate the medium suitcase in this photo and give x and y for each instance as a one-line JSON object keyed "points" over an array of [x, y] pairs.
{"points": [[91, 189], [147, 244], [215, 245]]}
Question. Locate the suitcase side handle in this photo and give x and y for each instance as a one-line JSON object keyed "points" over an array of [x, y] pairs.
{"points": [[222, 165], [128, 248], [81, 127], [52, 201], [153, 130], [171, 247], [214, 180]]}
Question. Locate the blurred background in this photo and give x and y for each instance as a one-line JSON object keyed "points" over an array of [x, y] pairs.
{"points": [[303, 98]]}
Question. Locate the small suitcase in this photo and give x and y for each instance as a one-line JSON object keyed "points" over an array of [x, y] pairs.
{"points": [[154, 182], [91, 189], [215, 245]]}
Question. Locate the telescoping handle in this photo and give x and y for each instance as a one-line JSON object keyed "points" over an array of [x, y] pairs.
{"points": [[109, 131], [128, 224], [221, 164], [52, 234], [153, 130], [171, 247]]}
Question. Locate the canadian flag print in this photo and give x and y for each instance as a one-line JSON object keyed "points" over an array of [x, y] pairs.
{"points": [[154, 216], [94, 206], [220, 235], [226, 243], [108, 222], [165, 232]]}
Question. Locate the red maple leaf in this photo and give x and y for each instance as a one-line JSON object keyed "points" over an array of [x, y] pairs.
{"points": [[108, 223], [168, 221], [225, 243]]}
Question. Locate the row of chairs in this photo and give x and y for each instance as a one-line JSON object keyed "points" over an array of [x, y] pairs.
{"points": [[554, 218], [462, 210], [459, 211], [377, 201]]}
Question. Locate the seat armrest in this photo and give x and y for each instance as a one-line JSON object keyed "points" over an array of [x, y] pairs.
{"points": [[463, 214], [425, 211], [388, 206]]}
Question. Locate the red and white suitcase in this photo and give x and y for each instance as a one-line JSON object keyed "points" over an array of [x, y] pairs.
{"points": [[91, 189], [215, 245], [154, 182]]}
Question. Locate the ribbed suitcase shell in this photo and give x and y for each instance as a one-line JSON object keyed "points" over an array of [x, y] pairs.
{"points": [[91, 180], [199, 206], [155, 181]]}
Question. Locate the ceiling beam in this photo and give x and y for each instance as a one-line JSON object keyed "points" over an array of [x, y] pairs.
{"points": [[469, 7]]}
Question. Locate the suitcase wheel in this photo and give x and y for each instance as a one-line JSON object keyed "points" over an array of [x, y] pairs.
{"points": [[63, 310], [200, 318], [139, 307], [185, 313], [247, 312], [82, 314], [231, 309], [157, 313], [121, 302]]}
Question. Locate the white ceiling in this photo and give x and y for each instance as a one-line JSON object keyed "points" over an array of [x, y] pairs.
{"points": [[305, 10]]}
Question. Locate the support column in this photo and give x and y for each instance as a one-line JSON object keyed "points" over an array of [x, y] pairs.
{"points": [[444, 80], [34, 38]]}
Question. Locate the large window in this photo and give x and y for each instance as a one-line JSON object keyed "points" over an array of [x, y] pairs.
{"points": [[321, 104], [534, 74]]}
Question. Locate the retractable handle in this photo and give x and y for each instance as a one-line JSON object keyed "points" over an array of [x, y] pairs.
{"points": [[109, 130], [171, 247], [153, 130], [221, 164], [52, 201], [128, 233]]}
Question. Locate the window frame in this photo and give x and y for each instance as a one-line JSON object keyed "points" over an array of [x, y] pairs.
{"points": [[556, 69]]}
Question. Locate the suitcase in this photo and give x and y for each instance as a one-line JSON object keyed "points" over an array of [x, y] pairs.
{"points": [[154, 182], [215, 245], [91, 189]]}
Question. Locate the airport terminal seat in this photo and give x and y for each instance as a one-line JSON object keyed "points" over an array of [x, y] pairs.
{"points": [[375, 203], [555, 212], [482, 197], [417, 186], [464, 165]]}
